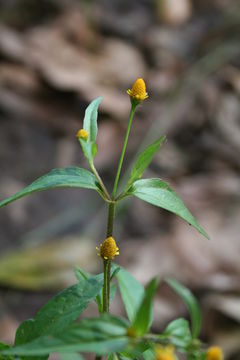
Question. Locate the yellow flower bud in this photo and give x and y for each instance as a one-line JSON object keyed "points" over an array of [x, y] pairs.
{"points": [[131, 332], [138, 91], [82, 134], [215, 353], [108, 249], [164, 352]]}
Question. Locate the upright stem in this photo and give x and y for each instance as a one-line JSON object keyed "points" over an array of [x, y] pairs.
{"points": [[123, 151], [111, 212], [107, 262], [106, 285]]}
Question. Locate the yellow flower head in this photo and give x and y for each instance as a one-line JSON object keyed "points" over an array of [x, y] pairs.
{"points": [[164, 352], [215, 353], [108, 249], [138, 91], [82, 134]]}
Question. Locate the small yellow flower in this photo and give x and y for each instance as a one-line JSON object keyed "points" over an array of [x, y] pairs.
{"points": [[215, 353], [82, 134], [164, 352], [138, 91], [108, 249]]}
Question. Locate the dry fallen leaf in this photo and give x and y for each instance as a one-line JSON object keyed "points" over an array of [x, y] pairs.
{"points": [[47, 266]]}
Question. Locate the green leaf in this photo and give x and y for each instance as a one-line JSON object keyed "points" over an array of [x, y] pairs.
{"points": [[144, 315], [131, 291], [59, 312], [68, 177], [71, 356], [90, 119], [136, 350], [89, 146], [89, 149], [159, 193], [5, 347], [191, 304], [132, 355], [113, 290], [197, 355], [100, 335], [178, 334], [83, 275], [149, 355], [114, 270], [110, 357], [144, 160]]}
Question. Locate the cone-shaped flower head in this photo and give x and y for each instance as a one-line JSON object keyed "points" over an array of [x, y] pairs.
{"points": [[108, 249], [138, 91], [164, 352], [82, 134], [215, 353]]}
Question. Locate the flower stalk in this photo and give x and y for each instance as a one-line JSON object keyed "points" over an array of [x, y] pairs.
{"points": [[104, 190], [133, 108]]}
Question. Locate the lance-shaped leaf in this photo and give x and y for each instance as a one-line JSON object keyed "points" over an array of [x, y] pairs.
{"points": [[89, 146], [90, 119], [149, 354], [59, 312], [82, 275], [68, 177], [131, 291], [5, 347], [144, 159], [191, 304], [159, 193], [89, 149], [144, 315], [71, 356], [178, 334], [100, 335]]}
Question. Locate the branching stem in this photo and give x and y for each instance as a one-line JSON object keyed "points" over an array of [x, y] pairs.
{"points": [[94, 170], [111, 213]]}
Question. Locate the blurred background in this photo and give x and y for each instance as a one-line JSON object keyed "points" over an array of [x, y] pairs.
{"points": [[58, 55]]}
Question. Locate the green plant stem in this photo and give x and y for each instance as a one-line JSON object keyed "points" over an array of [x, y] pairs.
{"points": [[106, 285], [110, 222], [94, 170], [107, 262], [123, 151], [111, 212]]}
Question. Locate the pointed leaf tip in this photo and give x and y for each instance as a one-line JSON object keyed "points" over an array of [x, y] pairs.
{"points": [[90, 119], [68, 177], [158, 193]]}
